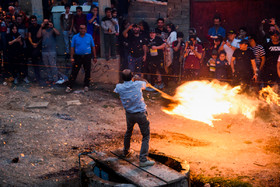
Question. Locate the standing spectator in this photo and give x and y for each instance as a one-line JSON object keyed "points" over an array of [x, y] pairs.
{"points": [[82, 50], [3, 31], [17, 7], [9, 23], [66, 24], [137, 48], [93, 27], [48, 34], [221, 66], [23, 31], [192, 31], [216, 30], [108, 25], [243, 66], [230, 45], [12, 13], [161, 30], [21, 27], [155, 58], [115, 18], [79, 19], [259, 53], [267, 26], [271, 66], [242, 33], [192, 54], [178, 48], [172, 36], [35, 47], [133, 102], [15, 55], [212, 64], [144, 29]]}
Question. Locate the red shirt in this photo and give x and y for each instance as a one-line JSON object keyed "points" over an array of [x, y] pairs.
{"points": [[192, 62], [79, 20]]}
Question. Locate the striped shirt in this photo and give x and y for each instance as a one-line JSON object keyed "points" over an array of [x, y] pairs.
{"points": [[258, 52]]}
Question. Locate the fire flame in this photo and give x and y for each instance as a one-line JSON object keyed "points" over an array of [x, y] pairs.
{"points": [[204, 100]]}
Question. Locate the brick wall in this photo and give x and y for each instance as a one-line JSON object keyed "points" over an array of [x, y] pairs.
{"points": [[146, 11], [175, 11], [178, 12]]}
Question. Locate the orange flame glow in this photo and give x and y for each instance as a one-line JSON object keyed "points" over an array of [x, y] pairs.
{"points": [[204, 100]]}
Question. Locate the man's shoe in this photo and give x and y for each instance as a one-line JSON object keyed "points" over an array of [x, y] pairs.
{"points": [[68, 90], [127, 154], [60, 81], [147, 163], [86, 88]]}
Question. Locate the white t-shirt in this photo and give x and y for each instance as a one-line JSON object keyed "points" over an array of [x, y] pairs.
{"points": [[229, 51], [171, 38]]}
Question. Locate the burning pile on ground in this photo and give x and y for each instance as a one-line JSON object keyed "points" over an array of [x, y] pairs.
{"points": [[204, 101]]}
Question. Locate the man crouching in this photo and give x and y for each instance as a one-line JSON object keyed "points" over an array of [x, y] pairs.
{"points": [[133, 102]]}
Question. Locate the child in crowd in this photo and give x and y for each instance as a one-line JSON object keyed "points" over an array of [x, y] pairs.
{"points": [[212, 63], [221, 66], [115, 17]]}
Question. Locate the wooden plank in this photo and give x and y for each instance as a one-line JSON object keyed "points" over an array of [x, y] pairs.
{"points": [[73, 102], [38, 105], [150, 176]]}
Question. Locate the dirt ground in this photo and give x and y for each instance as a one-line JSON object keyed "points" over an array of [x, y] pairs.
{"points": [[38, 148]]}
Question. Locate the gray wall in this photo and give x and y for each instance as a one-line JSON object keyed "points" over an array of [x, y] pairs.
{"points": [[175, 11], [146, 11], [178, 12]]}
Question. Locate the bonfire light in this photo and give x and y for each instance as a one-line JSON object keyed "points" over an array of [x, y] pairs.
{"points": [[204, 101]]}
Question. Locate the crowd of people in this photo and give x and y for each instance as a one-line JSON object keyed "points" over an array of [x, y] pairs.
{"points": [[239, 58], [159, 54], [25, 42]]}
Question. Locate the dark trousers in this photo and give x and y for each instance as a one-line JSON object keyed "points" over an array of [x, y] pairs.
{"points": [[144, 125], [17, 66], [110, 45], [155, 65], [80, 60]]}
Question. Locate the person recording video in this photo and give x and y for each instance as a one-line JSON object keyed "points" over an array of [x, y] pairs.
{"points": [[192, 55]]}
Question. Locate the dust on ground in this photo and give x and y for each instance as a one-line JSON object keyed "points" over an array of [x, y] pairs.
{"points": [[40, 147]]}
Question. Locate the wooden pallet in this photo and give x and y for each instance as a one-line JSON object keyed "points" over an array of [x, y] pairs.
{"points": [[150, 176]]}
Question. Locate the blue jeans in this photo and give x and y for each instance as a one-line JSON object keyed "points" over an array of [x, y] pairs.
{"points": [[67, 41], [49, 60], [110, 45], [135, 64], [144, 125]]}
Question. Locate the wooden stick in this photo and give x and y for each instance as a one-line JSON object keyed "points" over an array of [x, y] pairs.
{"points": [[165, 95]]}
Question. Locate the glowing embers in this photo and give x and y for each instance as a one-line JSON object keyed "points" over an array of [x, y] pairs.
{"points": [[267, 94], [204, 100]]}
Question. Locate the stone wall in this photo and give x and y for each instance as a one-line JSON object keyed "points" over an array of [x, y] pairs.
{"points": [[175, 11], [147, 11], [178, 12]]}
